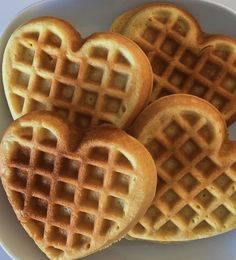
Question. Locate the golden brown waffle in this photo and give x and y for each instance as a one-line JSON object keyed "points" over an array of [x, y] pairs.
{"points": [[183, 58], [74, 193], [105, 78], [196, 168]]}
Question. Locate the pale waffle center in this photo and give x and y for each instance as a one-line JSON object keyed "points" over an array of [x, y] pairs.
{"points": [[65, 202], [195, 194], [86, 89]]}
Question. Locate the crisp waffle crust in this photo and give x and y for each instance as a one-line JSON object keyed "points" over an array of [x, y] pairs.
{"points": [[105, 78], [74, 193], [196, 167], [183, 58]]}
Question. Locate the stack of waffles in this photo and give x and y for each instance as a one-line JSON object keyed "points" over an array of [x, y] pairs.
{"points": [[78, 182]]}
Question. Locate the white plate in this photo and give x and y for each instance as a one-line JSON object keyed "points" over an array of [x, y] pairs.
{"points": [[96, 15]]}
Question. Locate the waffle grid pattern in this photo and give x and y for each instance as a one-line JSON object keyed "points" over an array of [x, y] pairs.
{"points": [[68, 211], [179, 67], [86, 90], [184, 204]]}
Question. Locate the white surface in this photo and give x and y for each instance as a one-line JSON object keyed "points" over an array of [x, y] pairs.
{"points": [[89, 16]]}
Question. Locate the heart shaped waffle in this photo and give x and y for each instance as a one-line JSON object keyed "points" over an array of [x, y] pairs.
{"points": [[196, 168], [105, 78], [74, 193], [183, 58]]}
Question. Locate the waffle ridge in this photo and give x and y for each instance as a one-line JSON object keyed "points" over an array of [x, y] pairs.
{"points": [[195, 195], [68, 201], [183, 58]]}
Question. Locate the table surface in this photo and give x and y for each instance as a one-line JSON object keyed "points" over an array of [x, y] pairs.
{"points": [[10, 9]]}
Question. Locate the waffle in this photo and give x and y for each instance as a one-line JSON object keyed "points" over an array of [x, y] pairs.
{"points": [[183, 58], [105, 78], [74, 192], [196, 168]]}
